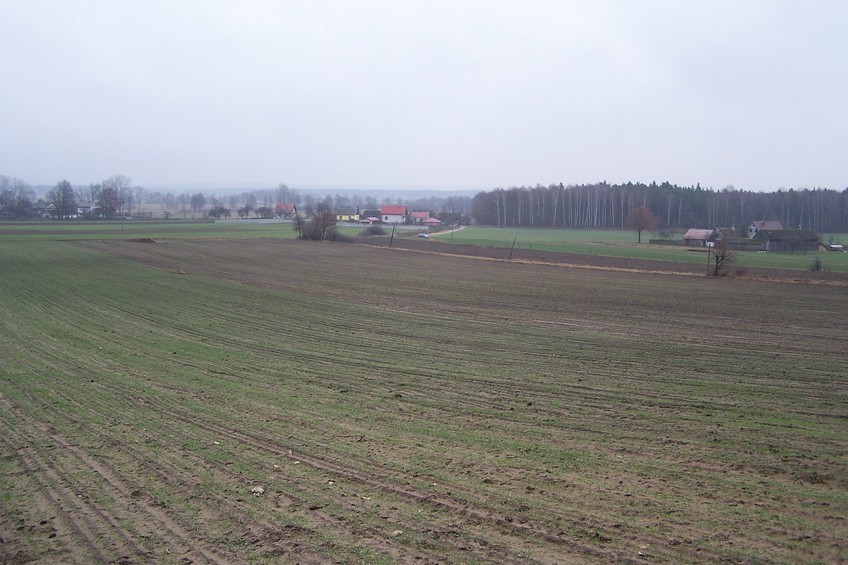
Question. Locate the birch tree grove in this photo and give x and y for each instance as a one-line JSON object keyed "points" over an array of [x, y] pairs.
{"points": [[603, 206]]}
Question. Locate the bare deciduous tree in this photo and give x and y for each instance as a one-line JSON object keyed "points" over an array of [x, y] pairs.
{"points": [[108, 202], [198, 201], [322, 222], [63, 200], [723, 258], [121, 185], [641, 219], [92, 194], [15, 197], [138, 195]]}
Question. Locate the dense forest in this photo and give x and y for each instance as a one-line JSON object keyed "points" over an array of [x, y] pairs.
{"points": [[607, 206]]}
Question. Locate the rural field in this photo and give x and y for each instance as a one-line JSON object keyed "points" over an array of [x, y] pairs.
{"points": [[622, 244], [193, 396]]}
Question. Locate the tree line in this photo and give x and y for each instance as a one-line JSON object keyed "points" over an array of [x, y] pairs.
{"points": [[598, 205], [605, 205], [117, 197], [114, 196], [263, 202]]}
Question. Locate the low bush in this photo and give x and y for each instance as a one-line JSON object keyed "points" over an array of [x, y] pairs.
{"points": [[374, 230], [334, 235]]}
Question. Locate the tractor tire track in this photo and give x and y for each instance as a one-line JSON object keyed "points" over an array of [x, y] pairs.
{"points": [[475, 516], [501, 523], [261, 530], [81, 519], [340, 470], [169, 530]]}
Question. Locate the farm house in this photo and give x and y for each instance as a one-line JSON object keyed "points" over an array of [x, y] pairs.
{"points": [[393, 214], [347, 214], [756, 227]]}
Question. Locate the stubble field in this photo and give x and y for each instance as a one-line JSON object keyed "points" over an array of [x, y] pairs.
{"points": [[267, 400]]}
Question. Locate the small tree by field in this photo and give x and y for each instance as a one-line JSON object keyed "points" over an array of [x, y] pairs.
{"points": [[198, 201], [108, 201], [321, 224], [722, 259], [219, 212], [641, 219], [120, 186]]}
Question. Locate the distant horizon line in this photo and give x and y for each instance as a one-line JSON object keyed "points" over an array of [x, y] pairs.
{"points": [[237, 186], [220, 187]]}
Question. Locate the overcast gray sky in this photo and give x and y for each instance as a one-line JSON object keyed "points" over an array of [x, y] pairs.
{"points": [[443, 94]]}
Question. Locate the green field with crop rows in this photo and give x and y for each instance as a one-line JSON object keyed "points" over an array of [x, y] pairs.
{"points": [[261, 400]]}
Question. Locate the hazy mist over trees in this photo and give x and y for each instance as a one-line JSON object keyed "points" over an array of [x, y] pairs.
{"points": [[258, 202], [16, 197], [598, 205], [116, 196]]}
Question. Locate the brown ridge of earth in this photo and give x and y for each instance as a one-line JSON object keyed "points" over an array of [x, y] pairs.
{"points": [[614, 263]]}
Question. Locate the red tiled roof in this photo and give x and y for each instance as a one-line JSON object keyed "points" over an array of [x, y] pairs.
{"points": [[418, 214], [393, 210]]}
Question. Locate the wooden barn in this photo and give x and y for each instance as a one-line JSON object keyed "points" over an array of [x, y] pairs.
{"points": [[698, 237], [792, 241]]}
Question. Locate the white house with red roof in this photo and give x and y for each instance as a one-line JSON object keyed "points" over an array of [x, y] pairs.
{"points": [[394, 214]]}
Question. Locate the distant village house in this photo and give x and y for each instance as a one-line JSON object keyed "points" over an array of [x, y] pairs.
{"points": [[394, 214], [760, 225], [284, 209], [347, 214], [418, 216]]}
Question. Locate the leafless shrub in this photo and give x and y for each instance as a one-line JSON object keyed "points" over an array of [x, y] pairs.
{"points": [[723, 259], [374, 230]]}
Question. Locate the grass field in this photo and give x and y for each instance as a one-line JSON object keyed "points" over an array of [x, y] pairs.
{"points": [[396, 406], [51, 231], [605, 243], [622, 243]]}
